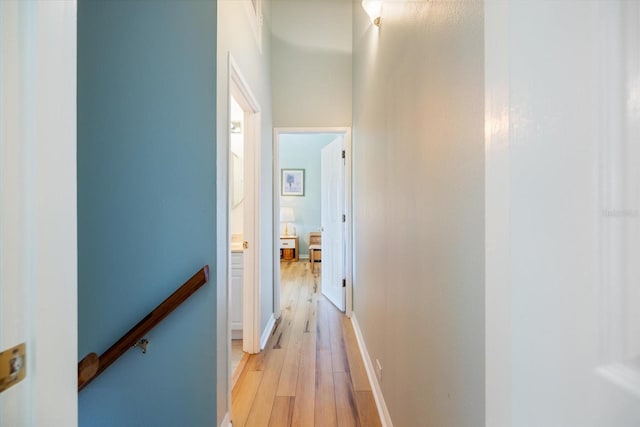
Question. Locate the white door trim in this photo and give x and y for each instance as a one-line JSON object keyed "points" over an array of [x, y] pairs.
{"points": [[346, 131]]}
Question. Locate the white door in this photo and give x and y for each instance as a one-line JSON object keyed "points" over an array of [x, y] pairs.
{"points": [[332, 219], [38, 249]]}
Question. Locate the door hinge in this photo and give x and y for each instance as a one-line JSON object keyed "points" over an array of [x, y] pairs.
{"points": [[344, 154], [344, 218], [245, 245], [344, 283]]}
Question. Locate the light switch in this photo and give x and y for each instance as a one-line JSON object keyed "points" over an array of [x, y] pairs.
{"points": [[12, 366]]}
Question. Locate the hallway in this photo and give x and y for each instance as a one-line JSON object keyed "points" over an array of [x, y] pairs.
{"points": [[311, 372]]}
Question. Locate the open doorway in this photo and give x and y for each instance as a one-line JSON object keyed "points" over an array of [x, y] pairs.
{"points": [[312, 200], [236, 225], [244, 287]]}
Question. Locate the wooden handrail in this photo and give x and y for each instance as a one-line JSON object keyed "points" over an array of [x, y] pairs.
{"points": [[92, 365]]}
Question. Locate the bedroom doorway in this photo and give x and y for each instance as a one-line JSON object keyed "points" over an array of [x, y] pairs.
{"points": [[298, 201]]}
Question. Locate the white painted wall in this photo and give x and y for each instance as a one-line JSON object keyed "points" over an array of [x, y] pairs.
{"points": [[497, 255], [236, 35], [38, 240], [418, 126], [311, 63], [562, 211]]}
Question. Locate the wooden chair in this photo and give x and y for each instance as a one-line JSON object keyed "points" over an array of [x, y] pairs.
{"points": [[315, 249]]}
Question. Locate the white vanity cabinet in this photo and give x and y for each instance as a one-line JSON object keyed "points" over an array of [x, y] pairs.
{"points": [[237, 263]]}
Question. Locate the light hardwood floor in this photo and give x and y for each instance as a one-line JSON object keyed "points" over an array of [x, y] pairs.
{"points": [[236, 354], [311, 372]]}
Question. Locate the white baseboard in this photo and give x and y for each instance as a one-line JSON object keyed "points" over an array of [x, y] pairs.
{"points": [[267, 332], [226, 422], [371, 373], [304, 256]]}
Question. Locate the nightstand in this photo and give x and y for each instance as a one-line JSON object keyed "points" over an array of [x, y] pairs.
{"points": [[289, 248]]}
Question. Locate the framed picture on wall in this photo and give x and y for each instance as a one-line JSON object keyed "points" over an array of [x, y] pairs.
{"points": [[292, 182]]}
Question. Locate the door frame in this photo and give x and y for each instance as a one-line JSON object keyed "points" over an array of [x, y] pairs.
{"points": [[38, 196], [239, 89], [348, 180]]}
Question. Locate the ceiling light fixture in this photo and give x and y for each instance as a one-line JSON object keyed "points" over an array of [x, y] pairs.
{"points": [[373, 7]]}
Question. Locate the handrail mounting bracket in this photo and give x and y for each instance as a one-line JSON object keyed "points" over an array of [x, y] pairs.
{"points": [[142, 344]]}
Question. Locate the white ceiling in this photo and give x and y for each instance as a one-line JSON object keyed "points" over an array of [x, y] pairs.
{"points": [[317, 24]]}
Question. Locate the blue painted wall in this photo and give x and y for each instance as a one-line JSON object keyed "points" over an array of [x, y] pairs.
{"points": [[146, 206], [302, 151]]}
